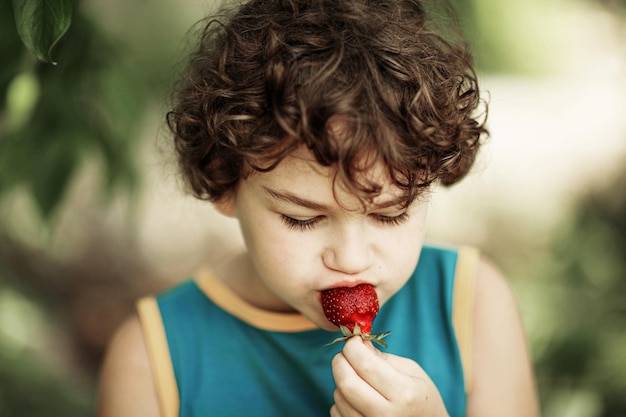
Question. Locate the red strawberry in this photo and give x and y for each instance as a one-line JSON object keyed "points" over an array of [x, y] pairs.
{"points": [[353, 309]]}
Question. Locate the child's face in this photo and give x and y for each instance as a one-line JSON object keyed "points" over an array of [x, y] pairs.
{"points": [[300, 240]]}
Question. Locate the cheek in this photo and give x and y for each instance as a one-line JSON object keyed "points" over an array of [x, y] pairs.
{"points": [[280, 255], [408, 239], [406, 254], [402, 254], [414, 234]]}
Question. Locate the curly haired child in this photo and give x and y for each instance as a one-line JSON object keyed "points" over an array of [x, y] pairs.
{"points": [[322, 126]]}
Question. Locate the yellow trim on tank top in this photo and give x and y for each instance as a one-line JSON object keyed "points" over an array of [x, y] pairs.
{"points": [[159, 354], [463, 307], [224, 297]]}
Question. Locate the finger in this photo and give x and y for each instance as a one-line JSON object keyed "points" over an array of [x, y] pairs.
{"points": [[342, 407], [387, 374], [353, 394], [369, 364], [400, 381]]}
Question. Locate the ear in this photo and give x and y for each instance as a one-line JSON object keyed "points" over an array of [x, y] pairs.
{"points": [[226, 205]]}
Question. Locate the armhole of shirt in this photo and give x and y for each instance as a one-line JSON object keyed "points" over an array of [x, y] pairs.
{"points": [[160, 359], [463, 307]]}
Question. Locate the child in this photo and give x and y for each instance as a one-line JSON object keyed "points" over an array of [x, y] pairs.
{"points": [[322, 125]]}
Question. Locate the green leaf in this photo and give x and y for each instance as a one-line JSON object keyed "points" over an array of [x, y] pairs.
{"points": [[41, 24]]}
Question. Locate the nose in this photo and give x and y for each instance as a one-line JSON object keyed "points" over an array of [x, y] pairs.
{"points": [[348, 250]]}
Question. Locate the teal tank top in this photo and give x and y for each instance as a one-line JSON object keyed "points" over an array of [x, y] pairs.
{"points": [[214, 355]]}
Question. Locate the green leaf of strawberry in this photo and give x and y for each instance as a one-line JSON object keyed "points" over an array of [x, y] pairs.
{"points": [[353, 309]]}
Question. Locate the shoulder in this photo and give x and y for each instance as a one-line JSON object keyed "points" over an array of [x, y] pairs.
{"points": [[493, 292], [503, 381], [126, 383]]}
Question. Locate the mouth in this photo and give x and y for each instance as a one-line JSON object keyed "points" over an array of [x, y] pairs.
{"points": [[345, 284]]}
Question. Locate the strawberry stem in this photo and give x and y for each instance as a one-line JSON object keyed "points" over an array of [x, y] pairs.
{"points": [[347, 333]]}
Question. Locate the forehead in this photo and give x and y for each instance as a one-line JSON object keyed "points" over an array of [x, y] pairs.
{"points": [[300, 173]]}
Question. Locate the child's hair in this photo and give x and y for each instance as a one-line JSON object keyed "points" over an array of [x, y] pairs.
{"points": [[356, 81]]}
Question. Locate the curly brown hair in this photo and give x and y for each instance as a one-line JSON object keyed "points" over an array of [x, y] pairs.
{"points": [[279, 74]]}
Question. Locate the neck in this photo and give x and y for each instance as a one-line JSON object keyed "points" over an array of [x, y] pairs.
{"points": [[239, 275]]}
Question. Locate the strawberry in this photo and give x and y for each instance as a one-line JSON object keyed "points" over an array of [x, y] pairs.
{"points": [[353, 309]]}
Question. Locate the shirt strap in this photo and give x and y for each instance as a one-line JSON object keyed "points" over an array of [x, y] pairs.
{"points": [[159, 354], [463, 307]]}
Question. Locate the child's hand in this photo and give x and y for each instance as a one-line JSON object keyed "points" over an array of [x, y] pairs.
{"points": [[374, 383]]}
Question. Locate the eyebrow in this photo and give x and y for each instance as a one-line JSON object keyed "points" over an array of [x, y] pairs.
{"points": [[294, 199]]}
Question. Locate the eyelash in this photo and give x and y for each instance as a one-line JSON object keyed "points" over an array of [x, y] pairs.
{"points": [[302, 225], [392, 220], [308, 224]]}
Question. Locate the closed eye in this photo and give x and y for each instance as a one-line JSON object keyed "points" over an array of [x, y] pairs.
{"points": [[300, 224], [309, 223], [391, 220]]}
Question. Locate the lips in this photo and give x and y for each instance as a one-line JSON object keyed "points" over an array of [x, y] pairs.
{"points": [[345, 284]]}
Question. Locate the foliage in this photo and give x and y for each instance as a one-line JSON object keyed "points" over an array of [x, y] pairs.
{"points": [[71, 94], [57, 116], [22, 376], [41, 24], [581, 360], [29, 385]]}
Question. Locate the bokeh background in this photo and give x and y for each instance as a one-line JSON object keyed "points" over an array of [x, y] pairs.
{"points": [[92, 214]]}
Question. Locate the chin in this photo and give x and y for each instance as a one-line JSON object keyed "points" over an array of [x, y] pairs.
{"points": [[322, 323]]}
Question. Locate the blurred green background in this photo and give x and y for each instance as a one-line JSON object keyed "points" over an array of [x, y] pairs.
{"points": [[92, 215]]}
